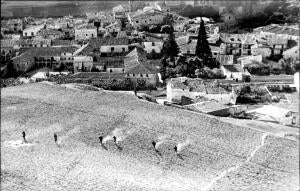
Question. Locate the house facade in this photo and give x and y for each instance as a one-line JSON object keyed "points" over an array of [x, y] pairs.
{"points": [[32, 31], [85, 32], [197, 88], [234, 72], [82, 63], [146, 18]]}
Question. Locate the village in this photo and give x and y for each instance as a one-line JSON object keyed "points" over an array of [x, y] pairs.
{"points": [[199, 95], [191, 63]]}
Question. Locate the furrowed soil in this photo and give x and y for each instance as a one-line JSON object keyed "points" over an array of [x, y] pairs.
{"points": [[213, 155]]}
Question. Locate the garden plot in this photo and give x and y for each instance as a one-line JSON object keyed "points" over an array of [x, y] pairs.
{"points": [[208, 148]]}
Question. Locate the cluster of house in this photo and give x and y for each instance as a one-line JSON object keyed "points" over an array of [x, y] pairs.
{"points": [[104, 42]]}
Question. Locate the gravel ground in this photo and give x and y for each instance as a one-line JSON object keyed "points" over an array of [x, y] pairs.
{"points": [[209, 149]]}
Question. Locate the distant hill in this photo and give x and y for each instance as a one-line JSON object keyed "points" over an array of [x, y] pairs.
{"points": [[53, 8]]}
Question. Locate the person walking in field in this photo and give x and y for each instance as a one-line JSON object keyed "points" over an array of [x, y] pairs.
{"points": [[55, 137], [24, 137], [101, 139], [175, 149], [154, 145]]}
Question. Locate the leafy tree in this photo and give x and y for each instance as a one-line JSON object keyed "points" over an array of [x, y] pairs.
{"points": [[202, 47]]}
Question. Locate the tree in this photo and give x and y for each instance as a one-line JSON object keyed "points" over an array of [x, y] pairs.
{"points": [[202, 48], [170, 47]]}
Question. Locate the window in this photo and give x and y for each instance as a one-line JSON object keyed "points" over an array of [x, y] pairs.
{"points": [[133, 75], [32, 34], [141, 75], [110, 70], [112, 49], [147, 75], [86, 34], [123, 70], [153, 43], [69, 58], [123, 49], [137, 21], [92, 35]]}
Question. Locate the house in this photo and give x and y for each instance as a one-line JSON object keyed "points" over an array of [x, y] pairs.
{"points": [[180, 25], [146, 17], [292, 53], [188, 49], [181, 40], [110, 46], [85, 32], [244, 60], [233, 43], [234, 72], [138, 67], [36, 42], [15, 25], [248, 40], [50, 34], [24, 62], [216, 51], [285, 31], [270, 113], [195, 88], [119, 12], [82, 63], [152, 45], [114, 27], [263, 50], [210, 107], [224, 59], [32, 31], [8, 47], [53, 57], [113, 64]]}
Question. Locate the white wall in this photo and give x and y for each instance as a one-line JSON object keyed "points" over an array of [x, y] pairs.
{"points": [[117, 48], [157, 47], [82, 34]]}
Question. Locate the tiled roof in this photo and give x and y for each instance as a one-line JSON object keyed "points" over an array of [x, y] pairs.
{"points": [[96, 43], [57, 42], [50, 51], [141, 69], [198, 85], [46, 32], [279, 29], [8, 43], [86, 26], [121, 34], [97, 75], [233, 68], [111, 62], [206, 106]]}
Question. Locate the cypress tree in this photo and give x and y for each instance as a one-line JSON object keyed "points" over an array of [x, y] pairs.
{"points": [[202, 48], [170, 47]]}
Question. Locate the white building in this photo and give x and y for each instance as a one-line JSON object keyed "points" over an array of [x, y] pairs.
{"points": [[82, 63], [85, 32], [234, 72], [32, 31], [197, 88]]}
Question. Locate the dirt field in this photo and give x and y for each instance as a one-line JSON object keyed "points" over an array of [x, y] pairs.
{"points": [[214, 155]]}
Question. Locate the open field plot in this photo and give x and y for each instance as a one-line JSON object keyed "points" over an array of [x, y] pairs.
{"points": [[209, 149]]}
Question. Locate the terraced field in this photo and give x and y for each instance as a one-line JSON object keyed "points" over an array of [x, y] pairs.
{"points": [[213, 155]]}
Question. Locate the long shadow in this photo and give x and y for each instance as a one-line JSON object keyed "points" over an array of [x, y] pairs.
{"points": [[104, 147], [179, 156], [158, 153], [119, 147]]}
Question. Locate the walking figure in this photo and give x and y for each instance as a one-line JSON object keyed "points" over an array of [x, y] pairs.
{"points": [[101, 139], [175, 149], [24, 137], [55, 137], [115, 139], [154, 145]]}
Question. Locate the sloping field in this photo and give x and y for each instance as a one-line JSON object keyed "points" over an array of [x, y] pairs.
{"points": [[213, 155]]}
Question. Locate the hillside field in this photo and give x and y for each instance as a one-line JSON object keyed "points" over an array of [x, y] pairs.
{"points": [[213, 155]]}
